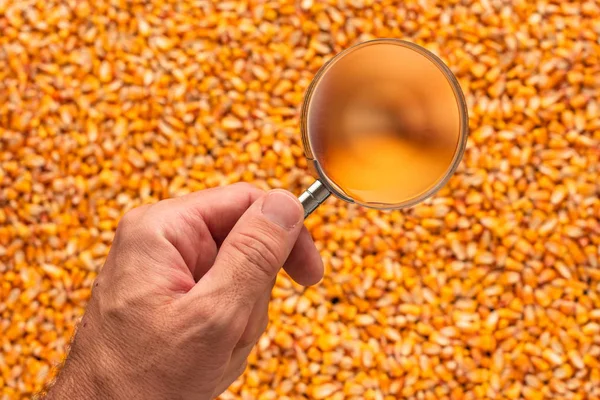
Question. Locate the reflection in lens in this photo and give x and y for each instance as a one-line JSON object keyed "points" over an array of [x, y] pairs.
{"points": [[384, 123]]}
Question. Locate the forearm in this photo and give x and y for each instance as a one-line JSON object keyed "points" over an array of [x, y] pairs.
{"points": [[94, 377], [73, 382]]}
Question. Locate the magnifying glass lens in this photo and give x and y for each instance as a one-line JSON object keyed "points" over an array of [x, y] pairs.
{"points": [[385, 123]]}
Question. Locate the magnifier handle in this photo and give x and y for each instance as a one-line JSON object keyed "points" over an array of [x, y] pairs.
{"points": [[312, 197]]}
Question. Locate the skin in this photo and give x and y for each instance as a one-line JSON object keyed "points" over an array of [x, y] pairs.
{"points": [[183, 296]]}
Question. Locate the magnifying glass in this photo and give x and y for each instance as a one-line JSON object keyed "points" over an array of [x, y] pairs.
{"points": [[384, 125]]}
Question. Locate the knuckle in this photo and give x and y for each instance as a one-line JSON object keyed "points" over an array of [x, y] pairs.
{"points": [[131, 217], [259, 251], [130, 221], [136, 225]]}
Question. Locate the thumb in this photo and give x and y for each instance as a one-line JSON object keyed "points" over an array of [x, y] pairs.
{"points": [[254, 251]]}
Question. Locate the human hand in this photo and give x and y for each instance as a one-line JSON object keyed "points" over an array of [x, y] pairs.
{"points": [[183, 295]]}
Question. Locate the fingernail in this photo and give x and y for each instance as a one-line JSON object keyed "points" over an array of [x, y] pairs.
{"points": [[282, 209]]}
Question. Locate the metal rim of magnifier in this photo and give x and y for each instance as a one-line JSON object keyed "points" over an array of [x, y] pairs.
{"points": [[463, 124]]}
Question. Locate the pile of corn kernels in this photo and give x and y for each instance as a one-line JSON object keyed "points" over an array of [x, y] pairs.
{"points": [[489, 290]]}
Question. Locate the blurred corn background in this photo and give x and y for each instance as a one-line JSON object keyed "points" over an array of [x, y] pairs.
{"points": [[489, 290]]}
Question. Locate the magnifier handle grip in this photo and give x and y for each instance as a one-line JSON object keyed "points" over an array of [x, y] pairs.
{"points": [[312, 197]]}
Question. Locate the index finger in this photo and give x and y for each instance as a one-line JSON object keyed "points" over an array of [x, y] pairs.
{"points": [[220, 207]]}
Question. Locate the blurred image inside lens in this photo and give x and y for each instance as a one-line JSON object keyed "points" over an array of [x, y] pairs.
{"points": [[383, 123]]}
